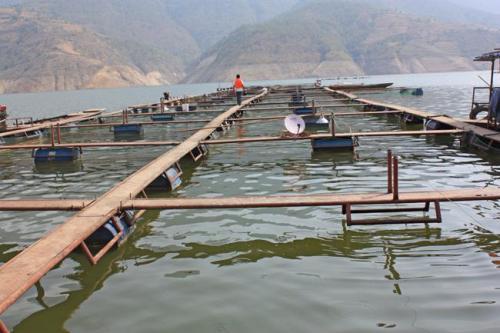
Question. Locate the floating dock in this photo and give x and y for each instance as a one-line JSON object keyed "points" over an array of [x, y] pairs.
{"points": [[129, 196]]}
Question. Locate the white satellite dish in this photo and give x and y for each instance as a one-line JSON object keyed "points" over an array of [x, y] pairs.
{"points": [[322, 120], [295, 124]]}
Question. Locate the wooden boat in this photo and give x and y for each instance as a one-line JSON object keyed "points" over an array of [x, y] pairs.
{"points": [[3, 117], [361, 86]]}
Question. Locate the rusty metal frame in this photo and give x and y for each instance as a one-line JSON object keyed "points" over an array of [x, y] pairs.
{"points": [[3, 328], [94, 258], [348, 211]]}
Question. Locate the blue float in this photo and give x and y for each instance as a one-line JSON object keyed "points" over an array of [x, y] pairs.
{"points": [[333, 143], [316, 122], [411, 119], [56, 154], [170, 179], [108, 231], [162, 117], [412, 91], [128, 128], [303, 111]]}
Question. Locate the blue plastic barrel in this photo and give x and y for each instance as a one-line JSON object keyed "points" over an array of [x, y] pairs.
{"points": [[333, 144], [108, 231], [171, 179], [128, 128], [303, 111], [56, 154], [162, 117]]}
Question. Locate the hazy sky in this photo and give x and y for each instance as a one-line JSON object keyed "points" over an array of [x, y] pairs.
{"points": [[492, 6]]}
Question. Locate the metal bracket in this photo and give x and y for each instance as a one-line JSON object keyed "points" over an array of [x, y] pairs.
{"points": [[94, 258], [198, 152], [348, 211], [3, 328]]}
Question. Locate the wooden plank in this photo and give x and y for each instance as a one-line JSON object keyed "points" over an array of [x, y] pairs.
{"points": [[449, 121], [44, 205], [305, 200], [316, 199], [146, 123], [190, 121], [326, 136], [93, 145], [71, 119], [29, 266], [295, 107], [235, 140]]}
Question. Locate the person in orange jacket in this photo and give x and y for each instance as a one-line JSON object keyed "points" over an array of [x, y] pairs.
{"points": [[239, 88]]}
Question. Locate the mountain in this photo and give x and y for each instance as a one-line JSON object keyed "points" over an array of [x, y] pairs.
{"points": [[454, 11], [490, 6], [119, 42], [74, 44], [221, 17], [39, 54], [339, 37]]}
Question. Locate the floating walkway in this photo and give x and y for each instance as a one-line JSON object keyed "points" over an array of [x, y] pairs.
{"points": [[488, 137], [228, 141], [129, 196], [73, 118], [374, 198], [25, 269]]}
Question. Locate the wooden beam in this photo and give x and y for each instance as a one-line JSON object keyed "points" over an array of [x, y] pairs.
{"points": [[78, 117], [191, 121], [93, 145], [227, 141], [264, 201], [316, 199], [448, 121], [44, 205], [25, 269]]}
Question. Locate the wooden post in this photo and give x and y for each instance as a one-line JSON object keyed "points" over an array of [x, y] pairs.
{"points": [[332, 124], [348, 214], [58, 133], [162, 105], [437, 207], [389, 171], [492, 77], [3, 328], [52, 142], [395, 162]]}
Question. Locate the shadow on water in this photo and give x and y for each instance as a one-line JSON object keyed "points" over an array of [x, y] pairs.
{"points": [[58, 168], [349, 244], [340, 157], [90, 279]]}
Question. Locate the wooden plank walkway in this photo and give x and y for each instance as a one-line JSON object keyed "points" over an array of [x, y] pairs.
{"points": [[44, 205], [191, 121], [338, 199], [78, 117], [444, 119], [29, 266], [305, 200]]}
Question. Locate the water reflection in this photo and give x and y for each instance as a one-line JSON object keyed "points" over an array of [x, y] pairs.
{"points": [[58, 168], [358, 245], [351, 244], [90, 279]]}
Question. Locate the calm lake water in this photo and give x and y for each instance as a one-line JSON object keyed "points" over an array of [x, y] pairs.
{"points": [[265, 270]]}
